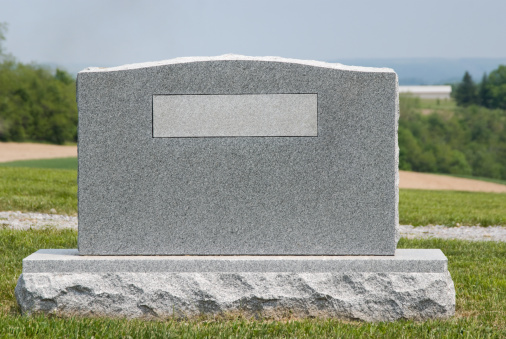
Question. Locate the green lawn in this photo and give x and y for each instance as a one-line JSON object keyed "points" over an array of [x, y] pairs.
{"points": [[71, 164], [444, 107], [57, 163], [478, 270], [421, 207], [40, 190], [438, 104]]}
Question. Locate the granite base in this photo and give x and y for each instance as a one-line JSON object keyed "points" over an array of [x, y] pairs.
{"points": [[413, 284]]}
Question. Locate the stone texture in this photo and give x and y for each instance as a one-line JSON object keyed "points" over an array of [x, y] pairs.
{"points": [[259, 115], [413, 284], [69, 261], [363, 296], [334, 194]]}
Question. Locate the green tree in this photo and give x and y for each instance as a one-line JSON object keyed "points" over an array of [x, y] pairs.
{"points": [[497, 85], [63, 76], [471, 140], [36, 105], [465, 93], [3, 29], [484, 93]]}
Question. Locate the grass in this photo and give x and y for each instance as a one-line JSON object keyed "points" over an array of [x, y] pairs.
{"points": [[478, 270], [438, 104], [424, 207], [40, 190], [71, 164], [58, 163], [444, 107]]}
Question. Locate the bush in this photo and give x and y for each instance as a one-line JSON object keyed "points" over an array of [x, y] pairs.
{"points": [[36, 105]]}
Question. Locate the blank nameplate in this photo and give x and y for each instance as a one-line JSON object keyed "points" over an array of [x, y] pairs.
{"points": [[244, 115]]}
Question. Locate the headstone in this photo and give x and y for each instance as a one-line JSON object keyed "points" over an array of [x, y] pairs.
{"points": [[233, 183], [237, 156]]}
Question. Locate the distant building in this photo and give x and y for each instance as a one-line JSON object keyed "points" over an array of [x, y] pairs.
{"points": [[427, 92]]}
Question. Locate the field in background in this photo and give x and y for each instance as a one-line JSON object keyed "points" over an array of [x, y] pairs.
{"points": [[41, 190], [478, 270], [431, 181], [445, 107], [57, 163], [495, 181], [412, 180], [15, 151], [38, 190], [451, 208], [438, 104]]}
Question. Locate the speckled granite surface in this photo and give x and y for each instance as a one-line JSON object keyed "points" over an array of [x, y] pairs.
{"points": [[335, 193]]}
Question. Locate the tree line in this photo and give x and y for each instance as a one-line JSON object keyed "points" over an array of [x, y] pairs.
{"points": [[36, 103], [470, 141], [489, 93]]}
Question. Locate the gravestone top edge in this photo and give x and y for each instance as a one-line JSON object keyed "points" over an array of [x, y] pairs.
{"points": [[237, 57]]}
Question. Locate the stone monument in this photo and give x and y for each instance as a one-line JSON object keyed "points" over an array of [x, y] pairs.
{"points": [[259, 185]]}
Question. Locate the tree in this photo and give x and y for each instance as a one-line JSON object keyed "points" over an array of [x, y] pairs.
{"points": [[484, 93], [3, 29], [497, 85], [465, 93]]}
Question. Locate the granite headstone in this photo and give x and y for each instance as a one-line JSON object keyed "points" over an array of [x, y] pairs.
{"points": [[237, 155], [238, 185]]}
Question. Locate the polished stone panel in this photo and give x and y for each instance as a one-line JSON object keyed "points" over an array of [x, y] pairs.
{"points": [[245, 115]]}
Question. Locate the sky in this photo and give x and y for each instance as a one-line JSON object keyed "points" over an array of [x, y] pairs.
{"points": [[109, 33]]}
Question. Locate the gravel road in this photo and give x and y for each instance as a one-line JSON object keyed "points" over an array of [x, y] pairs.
{"points": [[24, 221]]}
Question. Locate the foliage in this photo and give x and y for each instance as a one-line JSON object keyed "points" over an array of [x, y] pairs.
{"points": [[490, 93], [478, 270], [497, 87], [465, 93], [35, 104], [467, 140], [3, 28], [484, 93]]}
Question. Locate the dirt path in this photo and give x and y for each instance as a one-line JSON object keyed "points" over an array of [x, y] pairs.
{"points": [[428, 181], [12, 151]]}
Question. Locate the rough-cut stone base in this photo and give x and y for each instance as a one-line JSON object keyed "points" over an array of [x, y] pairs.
{"points": [[413, 284], [365, 296]]}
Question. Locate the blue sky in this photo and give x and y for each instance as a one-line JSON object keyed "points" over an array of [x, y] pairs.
{"points": [[105, 33]]}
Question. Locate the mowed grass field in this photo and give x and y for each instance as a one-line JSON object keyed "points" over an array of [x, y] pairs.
{"points": [[34, 187], [478, 270], [57, 163]]}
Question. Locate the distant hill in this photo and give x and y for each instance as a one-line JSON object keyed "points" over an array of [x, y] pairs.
{"points": [[411, 71], [431, 71]]}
